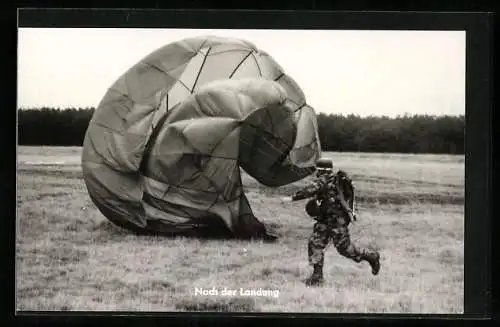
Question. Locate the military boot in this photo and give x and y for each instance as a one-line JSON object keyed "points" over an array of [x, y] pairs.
{"points": [[373, 259], [316, 277]]}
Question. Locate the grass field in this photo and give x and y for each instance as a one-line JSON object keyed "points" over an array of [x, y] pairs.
{"points": [[410, 207]]}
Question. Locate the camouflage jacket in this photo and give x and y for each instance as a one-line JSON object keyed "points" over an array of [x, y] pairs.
{"points": [[326, 191]]}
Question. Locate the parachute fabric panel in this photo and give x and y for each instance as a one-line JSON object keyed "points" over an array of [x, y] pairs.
{"points": [[164, 148]]}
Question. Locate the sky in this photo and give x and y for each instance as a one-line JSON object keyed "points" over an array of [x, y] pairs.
{"points": [[340, 71]]}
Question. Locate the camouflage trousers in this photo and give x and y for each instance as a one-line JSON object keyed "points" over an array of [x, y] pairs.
{"points": [[334, 227]]}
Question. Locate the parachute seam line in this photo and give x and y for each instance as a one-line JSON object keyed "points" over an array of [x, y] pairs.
{"points": [[182, 63], [204, 154], [124, 95], [123, 120], [295, 103], [157, 68], [271, 136], [186, 188], [239, 64], [253, 151], [177, 205], [215, 146], [268, 115], [126, 85], [183, 210], [117, 91], [202, 45], [264, 141], [228, 180], [211, 156], [279, 76], [147, 197], [197, 152], [292, 167], [217, 190], [107, 162], [185, 86], [300, 107], [201, 68], [256, 63], [213, 204], [202, 172], [252, 147], [230, 50], [123, 133], [220, 142], [104, 186]]}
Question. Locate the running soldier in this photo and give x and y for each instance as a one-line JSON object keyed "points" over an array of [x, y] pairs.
{"points": [[332, 207]]}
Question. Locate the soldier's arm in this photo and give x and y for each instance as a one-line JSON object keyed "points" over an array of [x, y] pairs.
{"points": [[308, 191]]}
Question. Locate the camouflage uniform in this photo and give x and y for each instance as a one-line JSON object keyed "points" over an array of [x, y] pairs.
{"points": [[332, 223]]}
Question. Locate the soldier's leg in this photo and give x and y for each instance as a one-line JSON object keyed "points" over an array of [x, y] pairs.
{"points": [[316, 248], [342, 241]]}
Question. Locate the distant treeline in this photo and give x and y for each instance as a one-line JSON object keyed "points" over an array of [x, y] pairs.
{"points": [[404, 134], [352, 133]]}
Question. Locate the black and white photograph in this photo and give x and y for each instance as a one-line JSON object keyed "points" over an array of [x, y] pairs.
{"points": [[240, 170]]}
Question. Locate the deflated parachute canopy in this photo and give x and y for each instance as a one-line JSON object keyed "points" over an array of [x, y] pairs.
{"points": [[163, 151]]}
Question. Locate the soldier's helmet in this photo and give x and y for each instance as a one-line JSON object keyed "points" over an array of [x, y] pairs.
{"points": [[323, 166]]}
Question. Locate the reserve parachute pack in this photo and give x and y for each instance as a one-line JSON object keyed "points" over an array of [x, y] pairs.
{"points": [[344, 186]]}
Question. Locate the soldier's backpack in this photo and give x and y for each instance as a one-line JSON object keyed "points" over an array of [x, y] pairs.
{"points": [[346, 187]]}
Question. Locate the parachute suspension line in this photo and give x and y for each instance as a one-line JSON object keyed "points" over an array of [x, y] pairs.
{"points": [[239, 64], [256, 62], [201, 68]]}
